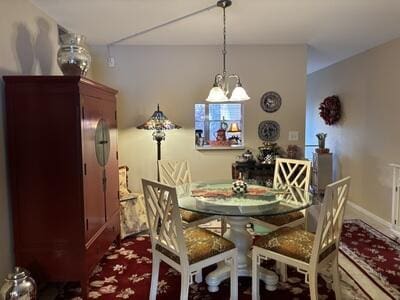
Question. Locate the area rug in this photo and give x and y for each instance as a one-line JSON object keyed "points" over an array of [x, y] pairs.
{"points": [[125, 273], [376, 254]]}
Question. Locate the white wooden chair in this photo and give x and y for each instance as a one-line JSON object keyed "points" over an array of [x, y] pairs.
{"points": [[294, 176], [289, 172], [175, 173], [307, 252], [186, 250]]}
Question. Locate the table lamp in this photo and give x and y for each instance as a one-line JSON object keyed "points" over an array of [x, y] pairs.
{"points": [[234, 129], [158, 122]]}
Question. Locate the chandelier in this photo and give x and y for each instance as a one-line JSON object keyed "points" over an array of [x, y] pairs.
{"points": [[220, 90]]}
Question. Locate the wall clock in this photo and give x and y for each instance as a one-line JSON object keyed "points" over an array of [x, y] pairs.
{"points": [[269, 131], [270, 101]]}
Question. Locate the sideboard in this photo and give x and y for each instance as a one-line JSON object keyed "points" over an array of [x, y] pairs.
{"points": [[260, 173]]}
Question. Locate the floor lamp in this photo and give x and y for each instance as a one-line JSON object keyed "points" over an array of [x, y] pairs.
{"points": [[158, 122]]}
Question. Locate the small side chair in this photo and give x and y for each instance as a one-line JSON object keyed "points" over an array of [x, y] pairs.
{"points": [[308, 252], [186, 250]]}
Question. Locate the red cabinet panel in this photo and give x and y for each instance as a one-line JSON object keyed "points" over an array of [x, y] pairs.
{"points": [[112, 184], [93, 172]]}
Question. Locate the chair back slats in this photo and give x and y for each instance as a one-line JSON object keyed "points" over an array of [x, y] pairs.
{"points": [[294, 176], [330, 220], [174, 172], [163, 217]]}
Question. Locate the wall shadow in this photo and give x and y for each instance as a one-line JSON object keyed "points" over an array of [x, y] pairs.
{"points": [[44, 47], [34, 54], [24, 51]]}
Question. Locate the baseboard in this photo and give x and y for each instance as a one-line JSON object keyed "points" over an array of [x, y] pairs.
{"points": [[369, 214]]}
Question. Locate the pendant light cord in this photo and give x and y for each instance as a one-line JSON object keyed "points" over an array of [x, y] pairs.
{"points": [[161, 25]]}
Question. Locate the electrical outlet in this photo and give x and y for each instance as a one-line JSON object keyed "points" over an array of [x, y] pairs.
{"points": [[293, 135], [111, 62]]}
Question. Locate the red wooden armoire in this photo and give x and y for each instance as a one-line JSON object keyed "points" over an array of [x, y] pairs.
{"points": [[63, 174]]}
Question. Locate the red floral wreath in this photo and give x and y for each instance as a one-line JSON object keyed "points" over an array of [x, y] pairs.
{"points": [[330, 110]]}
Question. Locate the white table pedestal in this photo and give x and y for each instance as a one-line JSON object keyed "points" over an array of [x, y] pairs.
{"points": [[242, 239]]}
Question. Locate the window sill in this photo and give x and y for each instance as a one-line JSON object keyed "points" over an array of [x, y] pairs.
{"points": [[208, 147]]}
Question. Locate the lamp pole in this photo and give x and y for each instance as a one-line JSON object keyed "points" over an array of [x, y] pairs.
{"points": [[158, 136]]}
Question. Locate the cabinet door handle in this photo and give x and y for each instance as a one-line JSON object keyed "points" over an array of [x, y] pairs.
{"points": [[87, 224]]}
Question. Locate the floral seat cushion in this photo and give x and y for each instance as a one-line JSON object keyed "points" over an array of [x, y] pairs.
{"points": [[123, 181], [293, 242], [201, 244], [190, 216], [281, 220]]}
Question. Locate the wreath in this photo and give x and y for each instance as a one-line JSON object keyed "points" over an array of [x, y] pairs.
{"points": [[330, 110]]}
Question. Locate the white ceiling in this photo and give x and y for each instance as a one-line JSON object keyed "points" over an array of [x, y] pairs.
{"points": [[333, 29]]}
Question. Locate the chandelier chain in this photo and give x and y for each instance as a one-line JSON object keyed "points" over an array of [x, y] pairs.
{"points": [[224, 50], [220, 90]]}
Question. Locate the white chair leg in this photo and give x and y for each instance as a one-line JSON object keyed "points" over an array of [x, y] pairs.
{"points": [[234, 278], [336, 278], [198, 278], [184, 285], [255, 280], [154, 277], [223, 225], [313, 278], [283, 272]]}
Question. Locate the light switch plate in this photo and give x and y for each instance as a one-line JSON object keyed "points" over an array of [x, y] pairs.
{"points": [[293, 135]]}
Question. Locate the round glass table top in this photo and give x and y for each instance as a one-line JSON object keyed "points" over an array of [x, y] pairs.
{"points": [[218, 198]]}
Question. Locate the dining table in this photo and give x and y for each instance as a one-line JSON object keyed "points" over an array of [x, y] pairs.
{"points": [[219, 198]]}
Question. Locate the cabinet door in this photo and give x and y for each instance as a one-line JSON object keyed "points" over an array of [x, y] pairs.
{"points": [[111, 168], [93, 171]]}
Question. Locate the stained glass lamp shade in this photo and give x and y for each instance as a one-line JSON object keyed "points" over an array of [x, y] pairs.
{"points": [[158, 122]]}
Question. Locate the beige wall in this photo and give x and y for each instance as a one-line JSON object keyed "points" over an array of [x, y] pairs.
{"points": [[367, 138], [177, 77], [28, 46]]}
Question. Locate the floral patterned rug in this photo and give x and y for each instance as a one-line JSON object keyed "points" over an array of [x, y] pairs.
{"points": [[125, 273], [376, 254]]}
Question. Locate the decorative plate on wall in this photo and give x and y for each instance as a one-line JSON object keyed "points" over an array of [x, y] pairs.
{"points": [[270, 102], [269, 130]]}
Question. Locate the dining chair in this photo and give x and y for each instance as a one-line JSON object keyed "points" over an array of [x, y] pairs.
{"points": [[186, 250], [306, 251], [292, 176], [175, 173]]}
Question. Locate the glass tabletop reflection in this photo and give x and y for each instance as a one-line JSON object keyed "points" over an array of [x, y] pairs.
{"points": [[217, 198]]}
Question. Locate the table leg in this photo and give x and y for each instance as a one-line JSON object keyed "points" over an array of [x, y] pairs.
{"points": [[239, 235]]}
